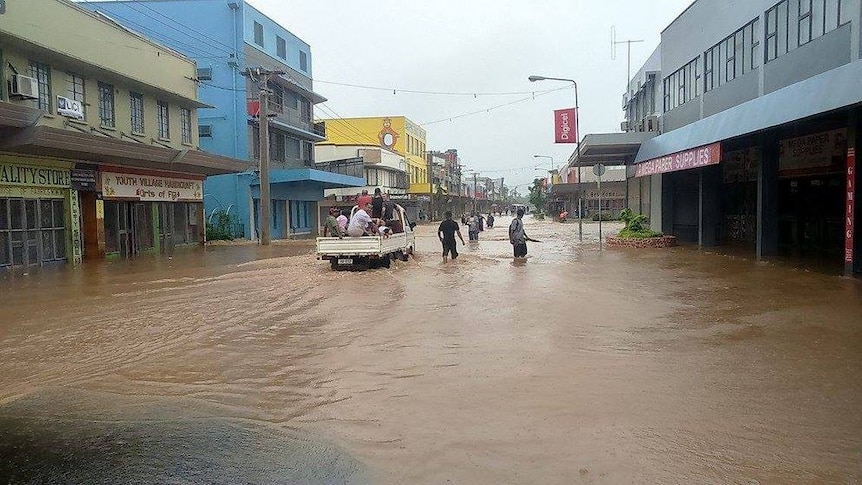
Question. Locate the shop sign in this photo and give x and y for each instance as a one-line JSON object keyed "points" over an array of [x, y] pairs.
{"points": [[741, 165], [695, 158], [813, 151], [83, 179], [604, 194], [565, 126], [150, 187], [850, 211], [75, 212], [15, 174]]}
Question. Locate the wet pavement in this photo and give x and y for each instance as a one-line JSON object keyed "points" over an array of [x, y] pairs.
{"points": [[241, 364]]}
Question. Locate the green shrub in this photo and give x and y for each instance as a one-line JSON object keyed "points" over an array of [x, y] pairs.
{"points": [[642, 234], [223, 227], [635, 226]]}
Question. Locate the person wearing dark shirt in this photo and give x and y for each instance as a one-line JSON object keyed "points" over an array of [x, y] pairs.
{"points": [[377, 205], [446, 232], [388, 208]]}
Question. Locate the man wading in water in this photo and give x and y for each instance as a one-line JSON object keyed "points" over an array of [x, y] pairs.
{"points": [[518, 237], [446, 232]]}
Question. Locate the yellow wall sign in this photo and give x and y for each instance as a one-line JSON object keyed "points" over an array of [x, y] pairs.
{"points": [[15, 174]]}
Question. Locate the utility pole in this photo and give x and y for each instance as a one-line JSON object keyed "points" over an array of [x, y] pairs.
{"points": [[614, 43], [475, 195], [261, 76]]}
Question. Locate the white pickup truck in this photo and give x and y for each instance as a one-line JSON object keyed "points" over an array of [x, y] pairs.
{"points": [[360, 253]]}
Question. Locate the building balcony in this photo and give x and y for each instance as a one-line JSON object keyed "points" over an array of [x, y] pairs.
{"points": [[353, 167]]}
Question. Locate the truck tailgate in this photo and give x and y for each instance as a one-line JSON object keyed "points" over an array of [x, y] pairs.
{"points": [[348, 246]]}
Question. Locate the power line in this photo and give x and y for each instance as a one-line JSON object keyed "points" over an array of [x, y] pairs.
{"points": [[474, 94], [325, 108], [488, 110], [144, 4], [161, 36]]}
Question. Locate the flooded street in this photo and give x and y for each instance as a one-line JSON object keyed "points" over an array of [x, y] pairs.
{"points": [[241, 364]]}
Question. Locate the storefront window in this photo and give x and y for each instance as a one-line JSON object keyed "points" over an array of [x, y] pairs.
{"points": [[32, 231]]}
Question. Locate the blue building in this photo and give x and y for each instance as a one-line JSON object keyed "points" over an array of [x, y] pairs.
{"points": [[226, 38]]}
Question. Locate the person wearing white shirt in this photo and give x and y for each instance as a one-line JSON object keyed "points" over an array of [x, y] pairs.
{"points": [[361, 223]]}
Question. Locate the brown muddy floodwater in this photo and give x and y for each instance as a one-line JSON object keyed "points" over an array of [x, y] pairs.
{"points": [[249, 365]]}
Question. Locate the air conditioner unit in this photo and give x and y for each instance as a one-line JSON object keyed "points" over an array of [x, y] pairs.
{"points": [[624, 126], [70, 108], [625, 100], [24, 87], [205, 74], [205, 131]]}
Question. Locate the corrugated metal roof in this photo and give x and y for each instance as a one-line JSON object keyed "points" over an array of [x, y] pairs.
{"points": [[825, 92]]}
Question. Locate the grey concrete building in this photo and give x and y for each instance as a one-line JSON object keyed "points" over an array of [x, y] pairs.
{"points": [[758, 112]]}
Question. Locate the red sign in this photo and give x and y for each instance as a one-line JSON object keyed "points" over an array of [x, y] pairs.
{"points": [[253, 108], [697, 157], [851, 191], [565, 126]]}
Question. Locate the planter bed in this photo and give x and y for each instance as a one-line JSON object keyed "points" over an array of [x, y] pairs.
{"points": [[649, 242]]}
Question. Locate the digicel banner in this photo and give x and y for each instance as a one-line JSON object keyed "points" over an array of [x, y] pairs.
{"points": [[698, 157], [565, 126]]}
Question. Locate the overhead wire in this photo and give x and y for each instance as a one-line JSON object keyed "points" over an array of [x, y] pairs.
{"points": [[474, 94], [191, 29], [489, 109], [193, 50]]}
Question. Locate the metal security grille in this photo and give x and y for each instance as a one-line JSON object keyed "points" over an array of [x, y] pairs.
{"points": [[136, 102], [164, 121], [42, 73], [186, 121], [32, 231], [106, 105], [76, 89]]}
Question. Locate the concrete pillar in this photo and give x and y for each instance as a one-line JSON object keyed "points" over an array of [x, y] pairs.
{"points": [[709, 206], [655, 215], [767, 200]]}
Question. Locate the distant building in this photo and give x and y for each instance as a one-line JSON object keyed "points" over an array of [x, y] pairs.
{"points": [[227, 38], [99, 147]]}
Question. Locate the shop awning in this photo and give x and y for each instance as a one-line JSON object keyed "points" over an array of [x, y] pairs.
{"points": [[67, 144], [609, 148], [326, 180], [17, 116], [564, 189], [835, 89]]}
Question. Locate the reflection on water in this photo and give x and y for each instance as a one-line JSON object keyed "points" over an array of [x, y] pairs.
{"points": [[260, 365]]}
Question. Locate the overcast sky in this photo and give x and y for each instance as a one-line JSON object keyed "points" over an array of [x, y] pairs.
{"points": [[477, 46]]}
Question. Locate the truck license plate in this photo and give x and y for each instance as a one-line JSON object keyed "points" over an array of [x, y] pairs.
{"points": [[345, 261]]}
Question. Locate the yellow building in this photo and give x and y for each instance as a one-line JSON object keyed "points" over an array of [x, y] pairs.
{"points": [[394, 133]]}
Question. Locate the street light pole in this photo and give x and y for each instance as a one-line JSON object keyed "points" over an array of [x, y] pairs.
{"points": [[578, 149]]}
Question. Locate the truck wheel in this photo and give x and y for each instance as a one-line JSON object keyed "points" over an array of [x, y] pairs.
{"points": [[404, 256], [386, 261], [333, 263]]}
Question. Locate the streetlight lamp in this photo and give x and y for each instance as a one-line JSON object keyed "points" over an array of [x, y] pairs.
{"points": [[578, 150]]}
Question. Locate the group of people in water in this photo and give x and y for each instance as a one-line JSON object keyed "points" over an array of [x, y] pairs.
{"points": [[374, 216], [475, 223]]}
